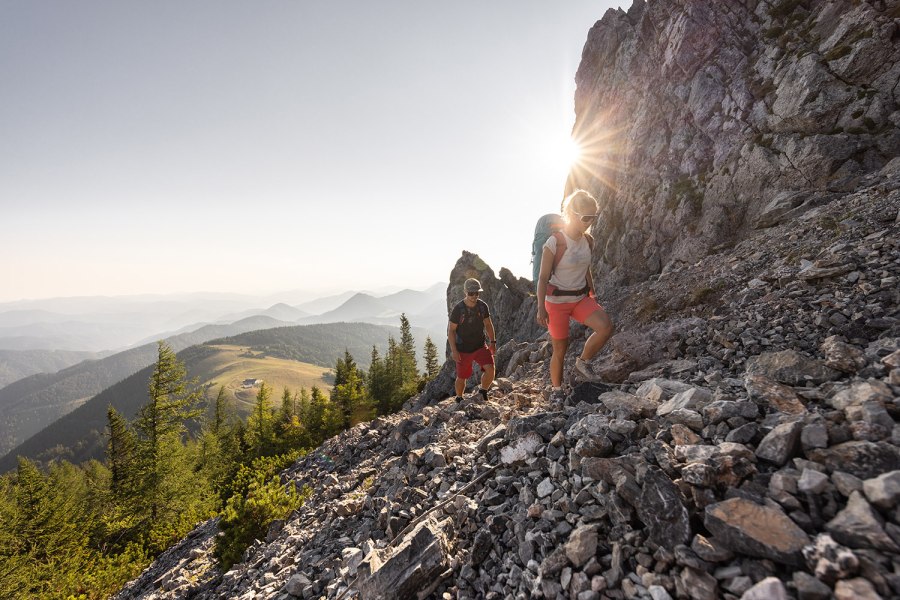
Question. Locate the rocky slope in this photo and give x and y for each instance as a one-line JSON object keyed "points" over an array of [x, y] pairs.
{"points": [[746, 445], [702, 120]]}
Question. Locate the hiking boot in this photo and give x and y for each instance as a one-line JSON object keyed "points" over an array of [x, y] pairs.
{"points": [[484, 394], [584, 370]]}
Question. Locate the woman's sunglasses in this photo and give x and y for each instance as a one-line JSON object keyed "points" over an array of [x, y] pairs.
{"points": [[587, 218], [473, 293]]}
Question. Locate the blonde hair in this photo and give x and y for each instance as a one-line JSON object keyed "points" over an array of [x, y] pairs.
{"points": [[581, 202]]}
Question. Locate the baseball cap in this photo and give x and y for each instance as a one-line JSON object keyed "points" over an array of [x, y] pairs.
{"points": [[472, 285]]}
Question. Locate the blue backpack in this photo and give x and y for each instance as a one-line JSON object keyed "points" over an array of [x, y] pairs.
{"points": [[546, 226], [550, 225]]}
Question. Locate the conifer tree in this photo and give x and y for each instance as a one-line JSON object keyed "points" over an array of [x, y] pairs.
{"points": [[377, 383], [288, 407], [349, 397], [221, 412], [317, 421], [160, 424], [432, 367], [120, 455], [260, 422], [409, 367]]}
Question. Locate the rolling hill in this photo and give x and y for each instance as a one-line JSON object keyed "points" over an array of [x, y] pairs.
{"points": [[18, 364], [29, 404], [295, 357]]}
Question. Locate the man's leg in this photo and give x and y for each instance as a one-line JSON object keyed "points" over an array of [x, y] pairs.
{"points": [[487, 376]]}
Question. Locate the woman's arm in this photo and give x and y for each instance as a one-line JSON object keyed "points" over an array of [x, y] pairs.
{"points": [[544, 278]]}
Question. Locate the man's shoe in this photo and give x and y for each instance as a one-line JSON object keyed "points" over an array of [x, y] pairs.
{"points": [[584, 370], [484, 394]]}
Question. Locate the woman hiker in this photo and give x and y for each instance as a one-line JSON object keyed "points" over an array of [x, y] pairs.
{"points": [[566, 289]]}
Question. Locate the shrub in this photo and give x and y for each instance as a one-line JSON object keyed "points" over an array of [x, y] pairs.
{"points": [[247, 516]]}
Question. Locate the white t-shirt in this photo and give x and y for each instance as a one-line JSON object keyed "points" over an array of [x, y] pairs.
{"points": [[572, 269]]}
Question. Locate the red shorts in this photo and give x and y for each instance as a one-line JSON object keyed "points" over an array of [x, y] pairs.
{"points": [[482, 356], [559, 315]]}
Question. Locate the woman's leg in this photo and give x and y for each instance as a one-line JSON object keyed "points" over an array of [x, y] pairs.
{"points": [[600, 322], [557, 359]]}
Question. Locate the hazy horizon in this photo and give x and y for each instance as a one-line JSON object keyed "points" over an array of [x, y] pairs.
{"points": [[249, 148]]}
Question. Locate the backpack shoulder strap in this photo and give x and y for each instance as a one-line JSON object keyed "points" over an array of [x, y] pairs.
{"points": [[561, 246]]}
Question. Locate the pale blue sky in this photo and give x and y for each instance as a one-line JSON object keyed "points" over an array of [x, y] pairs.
{"points": [[257, 146]]}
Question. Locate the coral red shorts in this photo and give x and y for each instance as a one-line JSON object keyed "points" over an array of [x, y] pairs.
{"points": [[559, 315], [482, 356]]}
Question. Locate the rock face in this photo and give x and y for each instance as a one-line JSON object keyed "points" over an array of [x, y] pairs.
{"points": [[703, 120]]}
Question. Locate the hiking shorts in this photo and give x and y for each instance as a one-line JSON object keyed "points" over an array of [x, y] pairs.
{"points": [[559, 314], [482, 356]]}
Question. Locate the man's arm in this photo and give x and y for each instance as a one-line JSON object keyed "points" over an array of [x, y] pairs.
{"points": [[451, 339], [489, 328]]}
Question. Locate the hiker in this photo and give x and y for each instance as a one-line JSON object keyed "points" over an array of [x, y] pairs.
{"points": [[565, 289], [469, 320]]}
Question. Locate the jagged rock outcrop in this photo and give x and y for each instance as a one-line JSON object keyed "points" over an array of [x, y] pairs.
{"points": [[702, 120]]}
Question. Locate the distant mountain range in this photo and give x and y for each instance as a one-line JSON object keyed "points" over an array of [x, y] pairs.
{"points": [[105, 324], [79, 434]]}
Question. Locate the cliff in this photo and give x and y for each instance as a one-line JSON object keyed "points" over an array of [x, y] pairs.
{"points": [[701, 121]]}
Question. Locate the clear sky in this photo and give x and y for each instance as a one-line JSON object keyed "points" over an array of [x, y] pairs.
{"points": [[216, 145]]}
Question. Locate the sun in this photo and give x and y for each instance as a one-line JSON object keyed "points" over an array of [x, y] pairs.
{"points": [[571, 152], [563, 154]]}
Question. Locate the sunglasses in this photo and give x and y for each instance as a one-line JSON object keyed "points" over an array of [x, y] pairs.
{"points": [[587, 218], [472, 293]]}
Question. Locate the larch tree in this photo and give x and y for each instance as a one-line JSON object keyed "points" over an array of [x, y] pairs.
{"points": [[160, 425]]}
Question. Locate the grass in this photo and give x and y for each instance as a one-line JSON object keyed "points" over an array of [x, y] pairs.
{"points": [[231, 365]]}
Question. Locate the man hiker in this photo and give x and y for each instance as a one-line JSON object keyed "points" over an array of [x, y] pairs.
{"points": [[470, 319]]}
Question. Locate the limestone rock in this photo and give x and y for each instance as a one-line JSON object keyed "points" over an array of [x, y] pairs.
{"points": [[790, 367], [781, 443], [769, 588], [661, 510], [582, 545], [749, 528], [861, 459], [778, 396], [409, 567], [883, 491], [858, 526]]}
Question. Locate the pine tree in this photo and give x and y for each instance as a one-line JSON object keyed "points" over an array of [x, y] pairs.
{"points": [[432, 367], [221, 412], [317, 422], [378, 385], [260, 422], [408, 347], [288, 407], [349, 397], [160, 424], [120, 455]]}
